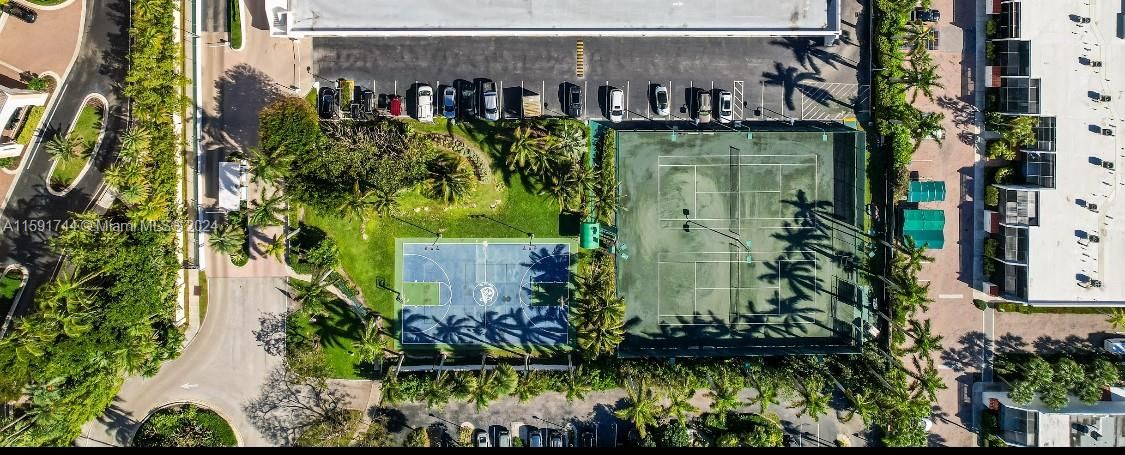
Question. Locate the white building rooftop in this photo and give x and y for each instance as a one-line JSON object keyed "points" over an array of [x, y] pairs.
{"points": [[554, 18], [1062, 260]]}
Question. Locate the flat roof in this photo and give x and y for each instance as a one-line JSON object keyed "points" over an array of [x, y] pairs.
{"points": [[230, 186], [1056, 256], [563, 17]]}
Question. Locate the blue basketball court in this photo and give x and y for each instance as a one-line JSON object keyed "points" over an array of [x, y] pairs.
{"points": [[499, 292]]}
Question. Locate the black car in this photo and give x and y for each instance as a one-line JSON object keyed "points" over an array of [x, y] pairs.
{"points": [[326, 104], [367, 100], [925, 15], [587, 439], [574, 101], [469, 100], [21, 12]]}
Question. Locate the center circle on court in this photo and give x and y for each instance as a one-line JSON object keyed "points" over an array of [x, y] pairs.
{"points": [[485, 293]]}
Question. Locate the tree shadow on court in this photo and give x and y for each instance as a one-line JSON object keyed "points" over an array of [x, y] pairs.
{"points": [[806, 212], [549, 266]]}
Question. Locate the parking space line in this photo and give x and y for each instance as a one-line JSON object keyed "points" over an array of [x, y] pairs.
{"points": [[500, 101], [585, 99], [543, 96], [628, 116], [671, 97]]}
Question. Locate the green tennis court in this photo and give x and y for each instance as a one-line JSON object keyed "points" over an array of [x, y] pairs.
{"points": [[738, 242]]}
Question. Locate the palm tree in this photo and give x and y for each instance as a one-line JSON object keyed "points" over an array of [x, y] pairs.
{"points": [[863, 405], [369, 347], [571, 182], [360, 206], [911, 293], [269, 167], [392, 391], [928, 380], [813, 402], [642, 407], [67, 147], [927, 125], [724, 393], [450, 178], [923, 78], [913, 255], [439, 391], [1117, 319], [526, 151], [679, 402], [916, 36], [228, 239], [531, 384], [265, 210], [768, 393], [274, 248], [576, 384], [572, 142], [133, 142], [925, 342]]}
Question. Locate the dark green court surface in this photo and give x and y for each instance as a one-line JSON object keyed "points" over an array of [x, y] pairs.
{"points": [[741, 243]]}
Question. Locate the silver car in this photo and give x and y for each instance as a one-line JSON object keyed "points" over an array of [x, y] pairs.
{"points": [[726, 114], [660, 100], [490, 101]]}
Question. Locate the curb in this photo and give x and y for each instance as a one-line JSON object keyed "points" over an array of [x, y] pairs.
{"points": [[49, 7], [93, 153]]}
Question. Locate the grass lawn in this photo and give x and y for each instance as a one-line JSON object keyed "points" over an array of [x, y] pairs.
{"points": [[311, 98], [87, 128], [367, 261], [1011, 307], [202, 296], [337, 331], [9, 285], [235, 24], [29, 126]]}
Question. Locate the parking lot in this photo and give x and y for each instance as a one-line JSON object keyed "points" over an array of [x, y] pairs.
{"points": [[768, 78]]}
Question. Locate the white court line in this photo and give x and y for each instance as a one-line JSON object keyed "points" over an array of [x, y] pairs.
{"points": [[740, 165]]}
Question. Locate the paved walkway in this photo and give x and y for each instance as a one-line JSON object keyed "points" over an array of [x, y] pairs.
{"points": [[951, 273], [222, 369], [47, 45]]}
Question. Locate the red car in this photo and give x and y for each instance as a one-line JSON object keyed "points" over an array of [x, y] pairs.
{"points": [[396, 106]]}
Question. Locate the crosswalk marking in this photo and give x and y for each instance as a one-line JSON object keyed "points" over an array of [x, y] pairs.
{"points": [[580, 59]]}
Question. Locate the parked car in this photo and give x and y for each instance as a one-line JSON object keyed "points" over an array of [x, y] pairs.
{"points": [[556, 439], [534, 439], [425, 109], [449, 103], [925, 15], [503, 439], [326, 103], [587, 439], [660, 100], [1115, 346], [724, 107], [490, 101], [482, 439], [20, 12], [703, 107], [573, 98], [367, 100], [469, 100], [396, 105], [616, 105]]}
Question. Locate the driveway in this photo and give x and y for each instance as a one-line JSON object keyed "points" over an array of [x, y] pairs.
{"points": [[222, 369], [47, 45], [789, 78], [551, 410], [99, 68]]}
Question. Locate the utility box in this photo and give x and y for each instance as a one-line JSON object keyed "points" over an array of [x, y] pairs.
{"points": [[532, 104]]}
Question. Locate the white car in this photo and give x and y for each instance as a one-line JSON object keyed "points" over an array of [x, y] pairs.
{"points": [[425, 103], [616, 105], [725, 112], [1115, 346], [491, 102], [660, 100]]}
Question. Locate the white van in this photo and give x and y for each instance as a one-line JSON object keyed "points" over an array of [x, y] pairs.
{"points": [[425, 103], [616, 105]]}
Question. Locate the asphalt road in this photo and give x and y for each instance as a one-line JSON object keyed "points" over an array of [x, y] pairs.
{"points": [[99, 68], [790, 77], [223, 368]]}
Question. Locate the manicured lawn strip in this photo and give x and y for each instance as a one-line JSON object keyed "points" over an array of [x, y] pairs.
{"points": [[336, 332], [43, 2], [235, 24], [87, 128], [365, 262], [29, 126], [9, 285], [1012, 307], [202, 297]]}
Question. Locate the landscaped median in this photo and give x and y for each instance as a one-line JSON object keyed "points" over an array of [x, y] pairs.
{"points": [[72, 151], [235, 21]]}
